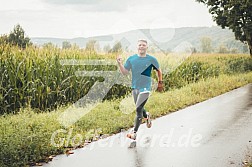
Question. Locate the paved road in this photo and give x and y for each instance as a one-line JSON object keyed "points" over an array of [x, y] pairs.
{"points": [[214, 133]]}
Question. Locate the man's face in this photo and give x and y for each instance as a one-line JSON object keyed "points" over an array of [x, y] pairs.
{"points": [[142, 47]]}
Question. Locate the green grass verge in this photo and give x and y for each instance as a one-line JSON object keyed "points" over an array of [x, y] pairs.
{"points": [[26, 137]]}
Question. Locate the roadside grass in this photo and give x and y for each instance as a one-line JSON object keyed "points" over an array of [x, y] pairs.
{"points": [[27, 137]]}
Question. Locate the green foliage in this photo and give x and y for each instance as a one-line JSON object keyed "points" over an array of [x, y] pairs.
{"points": [[66, 45], [190, 72], [239, 65], [75, 46], [233, 14], [3, 39], [117, 48], [223, 49], [90, 46], [35, 77], [206, 44], [49, 45], [25, 137], [17, 37]]}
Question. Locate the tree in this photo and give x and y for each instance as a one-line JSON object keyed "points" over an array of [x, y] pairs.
{"points": [[236, 15], [75, 46], [3, 39], [17, 37], [223, 49], [117, 48], [48, 45], [90, 46], [66, 45], [206, 44]]}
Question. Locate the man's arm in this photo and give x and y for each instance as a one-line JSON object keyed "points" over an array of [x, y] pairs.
{"points": [[123, 70], [160, 80]]}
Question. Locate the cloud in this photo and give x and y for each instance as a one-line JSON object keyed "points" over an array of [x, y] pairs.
{"points": [[98, 17], [93, 5], [77, 2]]}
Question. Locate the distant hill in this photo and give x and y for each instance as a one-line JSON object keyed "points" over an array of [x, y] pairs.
{"points": [[165, 38]]}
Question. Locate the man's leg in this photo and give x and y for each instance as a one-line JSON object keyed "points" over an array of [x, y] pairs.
{"points": [[135, 94], [140, 102], [144, 113]]}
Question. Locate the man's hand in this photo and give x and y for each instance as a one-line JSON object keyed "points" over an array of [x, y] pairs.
{"points": [[119, 60], [120, 63], [160, 87]]}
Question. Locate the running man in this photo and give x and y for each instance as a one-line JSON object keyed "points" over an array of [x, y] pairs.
{"points": [[141, 66]]}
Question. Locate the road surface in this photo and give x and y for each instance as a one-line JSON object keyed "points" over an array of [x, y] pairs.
{"points": [[214, 133]]}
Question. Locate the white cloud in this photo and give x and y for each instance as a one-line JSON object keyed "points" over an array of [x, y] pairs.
{"points": [[92, 5], [69, 19], [22, 5]]}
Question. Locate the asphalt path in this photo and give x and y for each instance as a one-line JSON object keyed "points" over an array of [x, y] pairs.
{"points": [[214, 133]]}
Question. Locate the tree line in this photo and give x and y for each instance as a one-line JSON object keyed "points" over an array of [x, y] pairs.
{"points": [[16, 37], [235, 15]]}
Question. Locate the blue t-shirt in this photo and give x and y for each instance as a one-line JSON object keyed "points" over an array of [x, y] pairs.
{"points": [[141, 68]]}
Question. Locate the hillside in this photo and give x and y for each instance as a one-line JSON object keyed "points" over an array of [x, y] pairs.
{"points": [[165, 38]]}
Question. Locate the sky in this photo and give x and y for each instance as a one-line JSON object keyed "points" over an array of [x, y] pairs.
{"points": [[86, 18]]}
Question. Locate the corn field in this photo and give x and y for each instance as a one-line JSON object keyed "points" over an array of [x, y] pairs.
{"points": [[35, 78]]}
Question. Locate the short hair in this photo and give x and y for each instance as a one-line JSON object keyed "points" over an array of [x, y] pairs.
{"points": [[143, 40]]}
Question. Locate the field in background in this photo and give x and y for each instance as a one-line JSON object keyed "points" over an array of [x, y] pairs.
{"points": [[35, 77]]}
